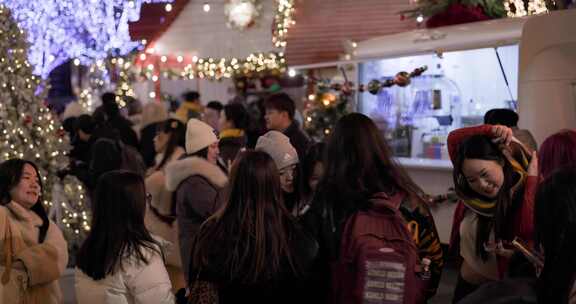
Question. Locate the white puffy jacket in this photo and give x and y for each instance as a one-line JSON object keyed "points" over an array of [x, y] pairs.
{"points": [[136, 283]]}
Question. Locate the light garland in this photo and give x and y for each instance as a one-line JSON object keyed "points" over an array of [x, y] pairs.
{"points": [[211, 68], [282, 22], [30, 131], [516, 8], [76, 29]]}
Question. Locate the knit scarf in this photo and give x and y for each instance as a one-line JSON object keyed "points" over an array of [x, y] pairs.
{"points": [[231, 133], [519, 165]]}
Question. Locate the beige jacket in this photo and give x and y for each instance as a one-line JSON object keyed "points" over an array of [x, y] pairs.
{"points": [[43, 263]]}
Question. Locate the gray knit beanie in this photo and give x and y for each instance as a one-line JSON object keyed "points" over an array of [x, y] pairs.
{"points": [[278, 146]]}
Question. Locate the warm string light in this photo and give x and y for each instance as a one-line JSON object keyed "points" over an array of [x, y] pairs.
{"points": [[211, 68], [516, 8], [282, 22], [29, 129]]}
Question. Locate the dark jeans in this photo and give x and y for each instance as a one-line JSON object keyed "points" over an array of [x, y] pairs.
{"points": [[462, 289]]}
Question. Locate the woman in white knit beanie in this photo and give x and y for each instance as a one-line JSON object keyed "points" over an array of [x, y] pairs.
{"points": [[197, 182]]}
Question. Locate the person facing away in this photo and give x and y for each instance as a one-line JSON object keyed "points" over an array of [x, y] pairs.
{"points": [[232, 125], [252, 249], [197, 183], [116, 121], [312, 169], [509, 118], [280, 109], [278, 146], [34, 252], [495, 178], [120, 262], [361, 177], [212, 113], [190, 107], [558, 151], [555, 225]]}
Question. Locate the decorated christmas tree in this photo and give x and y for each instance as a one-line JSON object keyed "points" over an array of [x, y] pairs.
{"points": [[28, 130], [325, 107]]}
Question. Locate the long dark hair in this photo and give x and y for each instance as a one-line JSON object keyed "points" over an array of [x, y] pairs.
{"points": [[555, 226], [556, 152], [118, 229], [313, 156], [253, 228], [177, 131], [10, 175], [482, 147], [357, 164]]}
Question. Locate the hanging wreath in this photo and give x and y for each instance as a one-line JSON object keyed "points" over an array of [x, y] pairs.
{"points": [[242, 14]]}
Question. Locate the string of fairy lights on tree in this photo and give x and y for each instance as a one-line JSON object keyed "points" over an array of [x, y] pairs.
{"points": [[282, 22], [30, 131]]}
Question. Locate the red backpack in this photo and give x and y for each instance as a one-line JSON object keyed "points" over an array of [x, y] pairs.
{"points": [[378, 260]]}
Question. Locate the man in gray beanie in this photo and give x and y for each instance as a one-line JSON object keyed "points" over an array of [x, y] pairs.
{"points": [[278, 146]]}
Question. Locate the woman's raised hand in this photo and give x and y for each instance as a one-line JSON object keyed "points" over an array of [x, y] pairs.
{"points": [[502, 134]]}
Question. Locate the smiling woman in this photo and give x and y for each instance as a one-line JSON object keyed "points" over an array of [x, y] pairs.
{"points": [[496, 182], [35, 251]]}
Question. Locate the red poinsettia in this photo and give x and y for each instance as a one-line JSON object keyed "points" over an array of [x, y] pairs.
{"points": [[457, 13]]}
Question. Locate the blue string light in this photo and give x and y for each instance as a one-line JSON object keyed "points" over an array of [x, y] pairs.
{"points": [[89, 30]]}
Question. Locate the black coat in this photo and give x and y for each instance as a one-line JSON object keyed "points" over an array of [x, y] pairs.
{"points": [[298, 139], [287, 287], [230, 146]]}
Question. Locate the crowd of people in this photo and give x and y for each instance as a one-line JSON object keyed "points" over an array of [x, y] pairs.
{"points": [[193, 207]]}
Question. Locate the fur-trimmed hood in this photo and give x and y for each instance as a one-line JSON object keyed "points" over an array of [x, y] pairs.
{"points": [[178, 171]]}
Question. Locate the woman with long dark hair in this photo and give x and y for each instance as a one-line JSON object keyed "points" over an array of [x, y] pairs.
{"points": [[558, 151], [555, 225], [34, 252], [495, 179], [161, 212], [120, 262], [359, 175], [252, 249], [312, 169], [169, 142]]}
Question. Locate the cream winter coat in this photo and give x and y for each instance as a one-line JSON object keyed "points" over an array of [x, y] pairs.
{"points": [[163, 204], [44, 263], [136, 283]]}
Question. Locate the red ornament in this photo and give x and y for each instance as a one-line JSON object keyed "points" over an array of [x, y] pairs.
{"points": [[402, 79], [457, 14], [27, 119], [61, 133]]}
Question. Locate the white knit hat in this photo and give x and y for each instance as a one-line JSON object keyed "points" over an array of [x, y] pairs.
{"points": [[278, 146], [199, 135]]}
